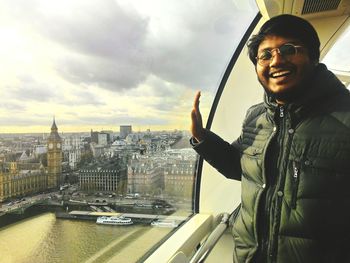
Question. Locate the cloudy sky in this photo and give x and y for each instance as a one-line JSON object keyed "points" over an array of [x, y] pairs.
{"points": [[98, 64]]}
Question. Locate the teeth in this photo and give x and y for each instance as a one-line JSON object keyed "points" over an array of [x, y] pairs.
{"points": [[280, 73]]}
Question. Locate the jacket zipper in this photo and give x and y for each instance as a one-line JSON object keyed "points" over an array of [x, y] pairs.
{"points": [[281, 111], [264, 234], [272, 249], [295, 183], [271, 246]]}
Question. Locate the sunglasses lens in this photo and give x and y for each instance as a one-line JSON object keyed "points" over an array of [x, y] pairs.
{"points": [[265, 55], [287, 50]]}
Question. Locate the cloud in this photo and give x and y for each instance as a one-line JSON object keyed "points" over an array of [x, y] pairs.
{"points": [[104, 43], [116, 47], [30, 89], [113, 61], [13, 106], [196, 47], [82, 97], [108, 74], [126, 119], [20, 120]]}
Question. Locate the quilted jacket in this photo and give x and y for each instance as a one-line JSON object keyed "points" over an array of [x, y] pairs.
{"points": [[293, 162]]}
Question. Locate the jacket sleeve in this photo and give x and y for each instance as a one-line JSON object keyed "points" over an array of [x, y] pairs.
{"points": [[223, 156]]}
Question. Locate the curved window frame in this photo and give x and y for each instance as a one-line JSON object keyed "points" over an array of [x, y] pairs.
{"points": [[216, 100]]}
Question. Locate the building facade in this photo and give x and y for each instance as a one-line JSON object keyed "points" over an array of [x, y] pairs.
{"points": [[125, 130], [169, 173], [145, 178], [17, 182], [22, 173], [110, 176], [179, 178]]}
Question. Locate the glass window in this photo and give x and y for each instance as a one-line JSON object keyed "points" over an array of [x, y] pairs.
{"points": [[338, 59], [95, 164]]}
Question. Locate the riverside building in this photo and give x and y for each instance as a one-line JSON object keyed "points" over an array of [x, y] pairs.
{"points": [[22, 176], [105, 176]]}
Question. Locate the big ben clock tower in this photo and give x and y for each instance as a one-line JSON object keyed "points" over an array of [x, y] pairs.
{"points": [[54, 158]]}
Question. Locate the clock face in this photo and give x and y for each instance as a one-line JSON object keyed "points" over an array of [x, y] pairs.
{"points": [[50, 145], [58, 145]]}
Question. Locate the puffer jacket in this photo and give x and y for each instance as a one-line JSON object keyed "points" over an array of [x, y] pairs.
{"points": [[293, 162]]}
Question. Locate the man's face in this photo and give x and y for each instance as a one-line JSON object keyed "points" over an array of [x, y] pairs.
{"points": [[283, 76]]}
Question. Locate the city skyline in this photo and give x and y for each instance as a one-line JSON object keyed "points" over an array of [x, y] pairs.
{"points": [[88, 129], [98, 65]]}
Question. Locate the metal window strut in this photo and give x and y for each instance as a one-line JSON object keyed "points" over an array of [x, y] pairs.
{"points": [[206, 247]]}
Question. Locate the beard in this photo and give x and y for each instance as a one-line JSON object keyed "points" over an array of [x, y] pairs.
{"points": [[293, 93], [287, 96]]}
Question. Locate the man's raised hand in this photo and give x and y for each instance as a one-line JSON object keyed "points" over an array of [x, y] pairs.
{"points": [[197, 129]]}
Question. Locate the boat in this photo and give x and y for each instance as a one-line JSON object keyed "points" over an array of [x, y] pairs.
{"points": [[114, 220], [165, 223]]}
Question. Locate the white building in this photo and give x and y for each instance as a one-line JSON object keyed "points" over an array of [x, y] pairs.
{"points": [[102, 139], [40, 149]]}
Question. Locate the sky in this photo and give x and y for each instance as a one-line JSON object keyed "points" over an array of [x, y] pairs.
{"points": [[99, 64], [336, 58]]}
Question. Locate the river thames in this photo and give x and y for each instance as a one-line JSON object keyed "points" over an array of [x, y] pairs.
{"points": [[44, 238]]}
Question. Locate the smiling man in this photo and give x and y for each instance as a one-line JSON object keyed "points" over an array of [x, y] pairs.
{"points": [[285, 56], [293, 154], [283, 67]]}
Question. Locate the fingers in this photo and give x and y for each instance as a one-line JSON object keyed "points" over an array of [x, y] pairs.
{"points": [[196, 106], [196, 118], [196, 125], [196, 101], [193, 117]]}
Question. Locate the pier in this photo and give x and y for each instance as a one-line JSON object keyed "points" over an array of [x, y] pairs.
{"points": [[136, 218]]}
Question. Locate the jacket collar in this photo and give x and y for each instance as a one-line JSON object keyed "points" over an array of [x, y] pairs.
{"points": [[323, 85]]}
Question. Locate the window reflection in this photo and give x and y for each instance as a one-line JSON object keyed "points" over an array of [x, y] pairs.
{"points": [[338, 60]]}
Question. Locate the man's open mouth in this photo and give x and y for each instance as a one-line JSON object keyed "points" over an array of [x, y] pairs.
{"points": [[281, 73]]}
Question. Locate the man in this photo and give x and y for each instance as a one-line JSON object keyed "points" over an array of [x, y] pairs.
{"points": [[293, 155]]}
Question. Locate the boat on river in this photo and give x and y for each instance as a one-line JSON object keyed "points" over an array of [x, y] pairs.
{"points": [[164, 223], [114, 220]]}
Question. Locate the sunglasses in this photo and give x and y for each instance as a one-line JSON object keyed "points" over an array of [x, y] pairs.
{"points": [[287, 51]]}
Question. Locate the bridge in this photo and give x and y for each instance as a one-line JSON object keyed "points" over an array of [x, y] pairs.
{"points": [[20, 207]]}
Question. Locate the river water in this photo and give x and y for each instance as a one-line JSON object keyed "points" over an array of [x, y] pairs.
{"points": [[45, 239]]}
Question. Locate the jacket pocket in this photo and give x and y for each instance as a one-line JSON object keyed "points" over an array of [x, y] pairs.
{"points": [[329, 165], [295, 183]]}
